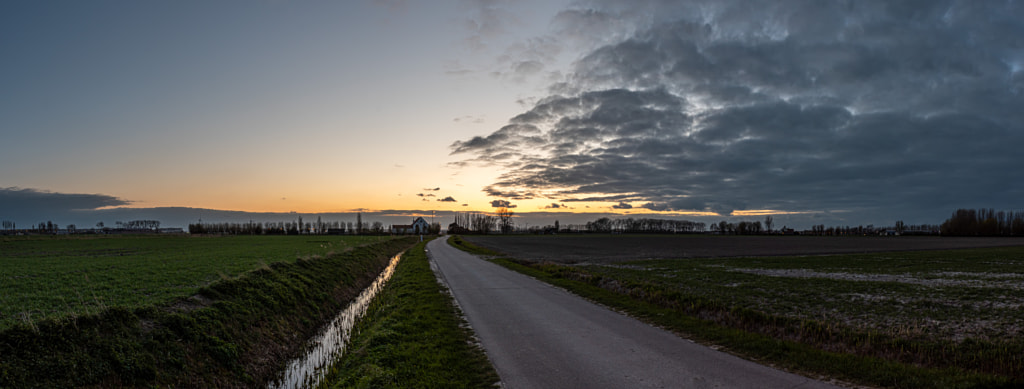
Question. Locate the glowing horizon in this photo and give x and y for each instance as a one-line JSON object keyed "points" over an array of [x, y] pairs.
{"points": [[818, 113]]}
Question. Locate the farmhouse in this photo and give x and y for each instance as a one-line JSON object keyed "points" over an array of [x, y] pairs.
{"points": [[418, 226]]}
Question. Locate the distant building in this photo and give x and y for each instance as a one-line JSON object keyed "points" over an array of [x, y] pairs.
{"points": [[455, 228], [418, 226]]}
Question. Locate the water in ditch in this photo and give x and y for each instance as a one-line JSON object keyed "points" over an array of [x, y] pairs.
{"points": [[308, 370]]}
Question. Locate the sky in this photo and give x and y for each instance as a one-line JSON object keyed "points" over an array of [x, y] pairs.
{"points": [[816, 112]]}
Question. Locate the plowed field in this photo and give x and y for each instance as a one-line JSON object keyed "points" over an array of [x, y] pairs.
{"points": [[617, 248]]}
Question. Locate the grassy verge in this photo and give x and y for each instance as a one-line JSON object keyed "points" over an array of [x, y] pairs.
{"points": [[57, 277], [237, 332], [779, 341], [412, 336]]}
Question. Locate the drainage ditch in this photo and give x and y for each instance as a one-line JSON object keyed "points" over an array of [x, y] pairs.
{"points": [[329, 345]]}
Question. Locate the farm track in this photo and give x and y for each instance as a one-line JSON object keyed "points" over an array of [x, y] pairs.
{"points": [[936, 312], [540, 336]]}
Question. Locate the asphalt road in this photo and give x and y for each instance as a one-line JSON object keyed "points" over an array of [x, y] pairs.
{"points": [[539, 336]]}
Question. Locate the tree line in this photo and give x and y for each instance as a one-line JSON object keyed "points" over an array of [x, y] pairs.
{"points": [[474, 223], [645, 226], [137, 225], [49, 227], [297, 227], [984, 222]]}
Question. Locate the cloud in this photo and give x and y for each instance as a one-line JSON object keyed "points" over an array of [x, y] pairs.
{"points": [[655, 207], [486, 20], [905, 109], [502, 204], [33, 205], [448, 199], [553, 206], [14, 198], [458, 72], [425, 195], [469, 119], [622, 205]]}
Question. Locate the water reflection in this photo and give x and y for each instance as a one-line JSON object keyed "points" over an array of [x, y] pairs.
{"points": [[325, 348]]}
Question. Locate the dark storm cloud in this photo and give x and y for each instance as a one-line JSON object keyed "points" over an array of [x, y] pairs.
{"points": [[513, 194], [448, 199], [896, 109], [13, 200], [502, 204], [32, 205]]}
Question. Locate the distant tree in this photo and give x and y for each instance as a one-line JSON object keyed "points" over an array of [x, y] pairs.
{"points": [[984, 222], [505, 220], [600, 225], [724, 227], [359, 223], [556, 225], [769, 222], [482, 223], [463, 221]]}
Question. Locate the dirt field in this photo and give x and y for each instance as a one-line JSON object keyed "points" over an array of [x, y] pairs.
{"points": [[617, 248]]}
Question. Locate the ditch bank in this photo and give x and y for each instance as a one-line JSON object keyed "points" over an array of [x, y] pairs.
{"points": [[233, 333]]}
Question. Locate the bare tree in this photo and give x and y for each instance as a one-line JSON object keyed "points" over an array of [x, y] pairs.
{"points": [[769, 222], [505, 219], [482, 223]]}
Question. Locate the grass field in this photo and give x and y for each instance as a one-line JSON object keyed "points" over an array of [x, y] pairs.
{"points": [[237, 331], [412, 337], [947, 318], [58, 277]]}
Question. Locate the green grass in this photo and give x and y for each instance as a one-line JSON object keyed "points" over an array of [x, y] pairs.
{"points": [[61, 277], [412, 337], [821, 323], [233, 332]]}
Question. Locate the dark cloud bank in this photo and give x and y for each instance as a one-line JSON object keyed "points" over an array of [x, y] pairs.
{"points": [[857, 110]]}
